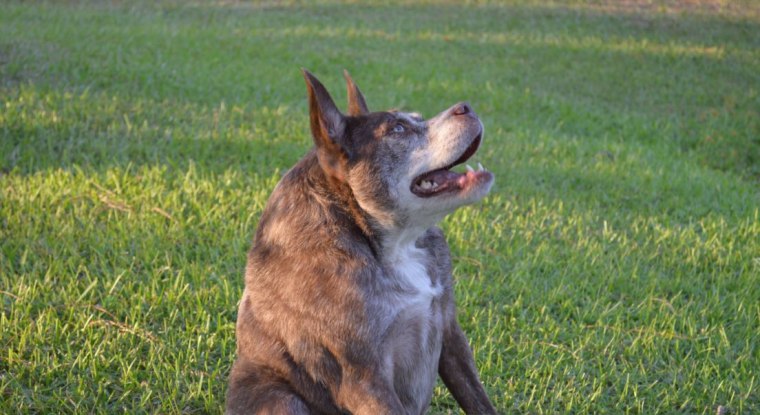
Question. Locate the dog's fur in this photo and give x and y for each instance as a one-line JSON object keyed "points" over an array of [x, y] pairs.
{"points": [[348, 304]]}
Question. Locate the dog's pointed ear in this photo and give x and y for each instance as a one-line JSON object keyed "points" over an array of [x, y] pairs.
{"points": [[327, 127], [356, 103]]}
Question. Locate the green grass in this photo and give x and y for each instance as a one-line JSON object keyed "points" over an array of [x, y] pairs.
{"points": [[614, 269]]}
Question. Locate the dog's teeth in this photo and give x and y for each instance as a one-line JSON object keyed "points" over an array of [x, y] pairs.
{"points": [[480, 167], [469, 168], [427, 185]]}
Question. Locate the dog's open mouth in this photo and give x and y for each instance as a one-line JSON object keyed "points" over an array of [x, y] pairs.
{"points": [[444, 180]]}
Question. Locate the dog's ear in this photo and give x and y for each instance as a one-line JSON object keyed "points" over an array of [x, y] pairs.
{"points": [[356, 103], [327, 128]]}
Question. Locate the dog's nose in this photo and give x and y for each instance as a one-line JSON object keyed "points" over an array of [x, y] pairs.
{"points": [[462, 108]]}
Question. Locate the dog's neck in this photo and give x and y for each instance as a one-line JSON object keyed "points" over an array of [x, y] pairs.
{"points": [[387, 235], [346, 205], [399, 240]]}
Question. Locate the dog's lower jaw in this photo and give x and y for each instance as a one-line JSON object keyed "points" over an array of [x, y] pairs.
{"points": [[417, 214]]}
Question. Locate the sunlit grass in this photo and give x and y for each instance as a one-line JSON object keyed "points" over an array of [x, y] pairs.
{"points": [[615, 267]]}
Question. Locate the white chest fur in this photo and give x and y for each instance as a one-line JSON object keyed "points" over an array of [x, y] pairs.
{"points": [[414, 345], [410, 266]]}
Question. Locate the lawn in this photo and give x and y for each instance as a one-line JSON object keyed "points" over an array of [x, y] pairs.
{"points": [[615, 267]]}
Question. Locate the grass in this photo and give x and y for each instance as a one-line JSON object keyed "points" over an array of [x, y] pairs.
{"points": [[614, 269]]}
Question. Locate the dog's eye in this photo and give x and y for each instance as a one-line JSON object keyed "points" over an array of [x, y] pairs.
{"points": [[398, 128]]}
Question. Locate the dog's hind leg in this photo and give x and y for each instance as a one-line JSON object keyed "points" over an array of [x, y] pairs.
{"points": [[266, 401], [272, 402], [254, 394]]}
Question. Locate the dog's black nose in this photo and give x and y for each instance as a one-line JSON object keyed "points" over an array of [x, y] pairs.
{"points": [[462, 108]]}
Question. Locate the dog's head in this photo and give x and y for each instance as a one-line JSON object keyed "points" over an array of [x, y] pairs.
{"points": [[397, 165]]}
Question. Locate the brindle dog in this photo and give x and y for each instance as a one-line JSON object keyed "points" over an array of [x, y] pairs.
{"points": [[348, 304]]}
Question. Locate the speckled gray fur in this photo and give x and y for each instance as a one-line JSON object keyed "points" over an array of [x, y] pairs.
{"points": [[348, 304]]}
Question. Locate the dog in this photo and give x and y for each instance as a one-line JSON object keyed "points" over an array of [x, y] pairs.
{"points": [[348, 305]]}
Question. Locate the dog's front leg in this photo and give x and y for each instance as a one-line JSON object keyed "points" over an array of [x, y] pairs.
{"points": [[457, 369]]}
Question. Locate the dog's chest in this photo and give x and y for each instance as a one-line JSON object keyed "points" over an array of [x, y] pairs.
{"points": [[410, 268], [415, 336]]}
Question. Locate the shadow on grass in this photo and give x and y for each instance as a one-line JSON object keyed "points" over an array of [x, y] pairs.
{"points": [[593, 75], [99, 134], [95, 132]]}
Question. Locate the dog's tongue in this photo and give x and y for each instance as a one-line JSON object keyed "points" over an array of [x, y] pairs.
{"points": [[438, 181]]}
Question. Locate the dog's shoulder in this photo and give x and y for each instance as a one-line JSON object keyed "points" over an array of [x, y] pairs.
{"points": [[303, 223]]}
